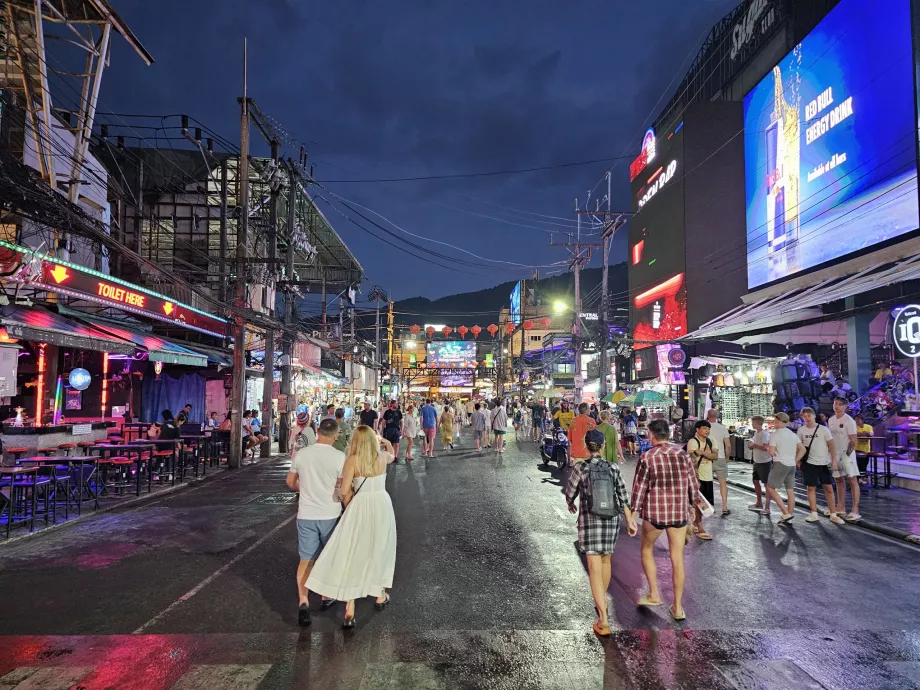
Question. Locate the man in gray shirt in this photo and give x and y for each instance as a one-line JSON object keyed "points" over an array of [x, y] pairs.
{"points": [[478, 421]]}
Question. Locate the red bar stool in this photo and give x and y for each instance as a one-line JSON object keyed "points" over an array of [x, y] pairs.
{"points": [[86, 444], [17, 452], [67, 447]]}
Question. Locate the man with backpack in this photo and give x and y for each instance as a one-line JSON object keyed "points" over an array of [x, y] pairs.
{"points": [[702, 454], [603, 498]]}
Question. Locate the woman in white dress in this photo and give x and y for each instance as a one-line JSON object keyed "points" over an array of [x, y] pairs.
{"points": [[409, 430], [360, 557]]}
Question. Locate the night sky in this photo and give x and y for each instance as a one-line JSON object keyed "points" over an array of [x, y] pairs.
{"points": [[411, 88]]}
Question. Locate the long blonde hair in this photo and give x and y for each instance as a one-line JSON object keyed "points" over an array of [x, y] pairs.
{"points": [[365, 449]]}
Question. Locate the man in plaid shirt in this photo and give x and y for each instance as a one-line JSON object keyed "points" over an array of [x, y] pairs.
{"points": [[665, 489]]}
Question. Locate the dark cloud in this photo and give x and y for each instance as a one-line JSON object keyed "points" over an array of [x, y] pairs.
{"points": [[426, 87]]}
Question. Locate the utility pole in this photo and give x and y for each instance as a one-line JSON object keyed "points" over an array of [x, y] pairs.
{"points": [[268, 373], [237, 393], [377, 295], [287, 346], [612, 223], [581, 255]]}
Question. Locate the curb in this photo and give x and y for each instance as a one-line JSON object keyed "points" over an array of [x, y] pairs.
{"points": [[865, 524], [136, 500]]}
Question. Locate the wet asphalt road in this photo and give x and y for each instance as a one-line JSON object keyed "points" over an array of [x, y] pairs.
{"points": [[196, 590]]}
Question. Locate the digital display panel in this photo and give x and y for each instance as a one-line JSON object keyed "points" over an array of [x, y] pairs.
{"points": [[450, 352], [516, 304], [460, 379], [667, 372], [657, 281], [645, 364], [830, 143]]}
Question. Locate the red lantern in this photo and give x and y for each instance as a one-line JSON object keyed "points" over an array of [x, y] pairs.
{"points": [[429, 332], [546, 321], [447, 330], [509, 328], [528, 325], [463, 330], [493, 329], [453, 365], [415, 328], [475, 330]]}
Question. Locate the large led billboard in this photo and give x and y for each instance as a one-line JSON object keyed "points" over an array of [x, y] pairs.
{"points": [[657, 267], [447, 352], [830, 144], [516, 304], [459, 379]]}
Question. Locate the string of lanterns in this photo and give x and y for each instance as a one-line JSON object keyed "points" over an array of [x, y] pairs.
{"points": [[492, 328]]}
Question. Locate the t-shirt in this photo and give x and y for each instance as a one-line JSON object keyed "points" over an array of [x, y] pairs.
{"points": [[761, 437], [882, 373], [580, 426], [703, 466], [565, 418], [841, 428], [611, 442], [392, 419], [470, 407], [499, 418], [318, 467], [819, 453], [302, 437], [170, 432], [411, 423], [478, 420], [344, 438], [717, 435], [429, 416], [538, 412], [864, 445], [255, 425], [786, 444], [368, 417]]}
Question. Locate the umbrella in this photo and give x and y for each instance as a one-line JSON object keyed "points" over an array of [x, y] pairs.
{"points": [[627, 401], [652, 398], [614, 397]]}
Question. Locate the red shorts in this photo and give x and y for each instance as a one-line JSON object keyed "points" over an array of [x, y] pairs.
{"points": [[429, 433]]}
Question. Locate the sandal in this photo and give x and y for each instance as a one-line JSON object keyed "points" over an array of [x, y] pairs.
{"points": [[678, 617], [705, 536], [726, 511], [381, 605], [645, 601], [601, 630]]}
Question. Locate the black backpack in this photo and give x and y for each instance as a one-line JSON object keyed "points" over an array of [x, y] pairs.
{"points": [[600, 490]]}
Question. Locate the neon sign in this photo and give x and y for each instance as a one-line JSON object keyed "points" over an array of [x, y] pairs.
{"points": [[645, 157], [123, 295]]}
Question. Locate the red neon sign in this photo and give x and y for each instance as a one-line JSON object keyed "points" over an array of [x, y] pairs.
{"points": [[120, 294]]}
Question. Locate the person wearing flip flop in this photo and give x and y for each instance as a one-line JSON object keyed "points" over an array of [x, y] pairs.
{"points": [[721, 441], [598, 526], [665, 489], [703, 455], [786, 450]]}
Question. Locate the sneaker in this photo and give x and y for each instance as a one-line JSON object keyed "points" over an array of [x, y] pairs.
{"points": [[303, 616], [836, 519], [755, 507], [812, 517], [853, 517]]}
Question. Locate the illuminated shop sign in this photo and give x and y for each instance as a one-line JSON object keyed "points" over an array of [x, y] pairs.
{"points": [[658, 180], [757, 21], [645, 157]]}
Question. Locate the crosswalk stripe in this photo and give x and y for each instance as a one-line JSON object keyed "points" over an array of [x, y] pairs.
{"points": [[224, 676], [44, 678]]}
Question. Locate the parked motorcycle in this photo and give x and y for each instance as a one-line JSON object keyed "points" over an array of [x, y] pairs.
{"points": [[555, 446]]}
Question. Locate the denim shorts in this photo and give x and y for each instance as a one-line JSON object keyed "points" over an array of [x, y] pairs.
{"points": [[312, 536]]}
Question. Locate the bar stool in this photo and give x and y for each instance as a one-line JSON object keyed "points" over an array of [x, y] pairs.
{"points": [[122, 465], [66, 447], [47, 452], [17, 452], [86, 444]]}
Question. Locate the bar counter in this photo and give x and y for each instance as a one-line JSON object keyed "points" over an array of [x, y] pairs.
{"points": [[36, 438]]}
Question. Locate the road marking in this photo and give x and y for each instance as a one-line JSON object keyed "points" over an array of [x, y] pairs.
{"points": [[213, 576], [224, 676], [46, 678]]}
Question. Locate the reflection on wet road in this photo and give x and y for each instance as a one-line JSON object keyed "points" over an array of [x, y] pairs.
{"points": [[489, 592]]}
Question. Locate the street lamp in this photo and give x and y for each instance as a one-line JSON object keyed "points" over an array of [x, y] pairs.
{"points": [[559, 306]]}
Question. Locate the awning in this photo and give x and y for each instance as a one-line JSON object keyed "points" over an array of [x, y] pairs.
{"points": [[800, 306], [159, 350], [45, 326]]}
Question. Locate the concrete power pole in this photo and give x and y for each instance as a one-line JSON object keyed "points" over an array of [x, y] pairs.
{"points": [[612, 223], [268, 373], [377, 295], [287, 346], [237, 393]]}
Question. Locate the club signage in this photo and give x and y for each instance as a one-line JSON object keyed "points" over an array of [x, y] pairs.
{"points": [[906, 330], [66, 279]]}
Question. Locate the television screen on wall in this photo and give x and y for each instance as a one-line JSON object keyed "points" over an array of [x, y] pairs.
{"points": [[451, 352], [831, 144]]}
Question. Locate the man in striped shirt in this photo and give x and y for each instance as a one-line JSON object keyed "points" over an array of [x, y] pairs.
{"points": [[665, 489]]}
